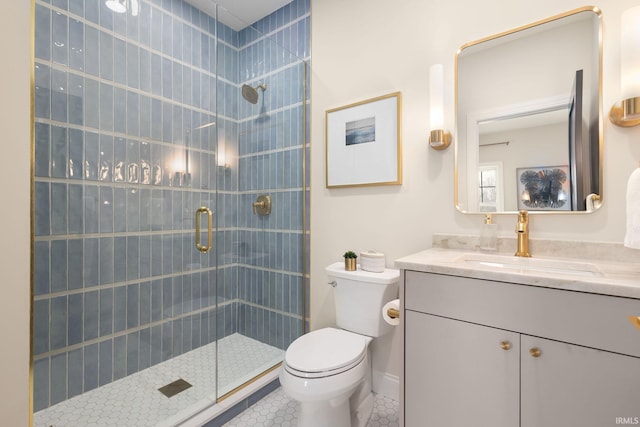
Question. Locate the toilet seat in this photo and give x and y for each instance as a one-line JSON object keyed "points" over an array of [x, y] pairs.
{"points": [[325, 352]]}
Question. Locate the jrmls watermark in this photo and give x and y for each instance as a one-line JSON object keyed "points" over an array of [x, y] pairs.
{"points": [[627, 420]]}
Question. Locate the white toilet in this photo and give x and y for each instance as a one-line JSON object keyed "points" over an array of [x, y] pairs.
{"points": [[329, 370]]}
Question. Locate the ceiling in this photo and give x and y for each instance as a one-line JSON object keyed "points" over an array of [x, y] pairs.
{"points": [[239, 14]]}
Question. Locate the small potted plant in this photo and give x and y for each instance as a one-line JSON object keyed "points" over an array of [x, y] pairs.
{"points": [[350, 258]]}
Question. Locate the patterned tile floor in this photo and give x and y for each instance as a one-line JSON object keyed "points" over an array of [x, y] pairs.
{"points": [[135, 401], [278, 410]]}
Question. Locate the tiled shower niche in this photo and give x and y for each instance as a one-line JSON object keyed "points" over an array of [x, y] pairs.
{"points": [[139, 122]]}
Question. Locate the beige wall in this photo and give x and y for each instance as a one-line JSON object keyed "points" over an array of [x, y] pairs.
{"points": [[15, 49], [366, 48]]}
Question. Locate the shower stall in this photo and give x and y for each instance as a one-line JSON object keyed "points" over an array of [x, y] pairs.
{"points": [[161, 285]]}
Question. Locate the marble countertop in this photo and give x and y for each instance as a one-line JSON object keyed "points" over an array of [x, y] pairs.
{"points": [[582, 275]]}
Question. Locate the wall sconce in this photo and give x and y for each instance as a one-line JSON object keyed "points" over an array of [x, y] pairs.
{"points": [[223, 166], [121, 6], [181, 176], [439, 139], [626, 113]]}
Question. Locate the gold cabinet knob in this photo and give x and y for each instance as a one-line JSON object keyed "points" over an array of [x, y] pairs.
{"points": [[635, 321], [505, 345], [535, 352]]}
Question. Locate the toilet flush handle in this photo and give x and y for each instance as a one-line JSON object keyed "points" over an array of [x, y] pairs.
{"points": [[333, 283]]}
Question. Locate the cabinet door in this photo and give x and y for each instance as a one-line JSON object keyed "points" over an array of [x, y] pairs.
{"points": [[458, 375], [569, 385]]}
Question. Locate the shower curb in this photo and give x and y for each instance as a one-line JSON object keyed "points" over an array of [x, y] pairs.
{"points": [[244, 404]]}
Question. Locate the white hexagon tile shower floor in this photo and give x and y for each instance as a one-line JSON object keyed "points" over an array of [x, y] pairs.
{"points": [[278, 410], [135, 401]]}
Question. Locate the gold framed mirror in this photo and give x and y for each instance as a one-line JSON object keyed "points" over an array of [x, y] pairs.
{"points": [[529, 118]]}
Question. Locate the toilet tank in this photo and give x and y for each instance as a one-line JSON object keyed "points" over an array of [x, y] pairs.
{"points": [[360, 296]]}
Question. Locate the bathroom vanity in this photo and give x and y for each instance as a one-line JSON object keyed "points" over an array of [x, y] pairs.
{"points": [[500, 341]]}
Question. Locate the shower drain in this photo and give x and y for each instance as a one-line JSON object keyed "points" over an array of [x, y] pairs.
{"points": [[174, 388]]}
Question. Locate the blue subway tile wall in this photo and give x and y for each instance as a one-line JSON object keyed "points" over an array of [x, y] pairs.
{"points": [[138, 122], [271, 143]]}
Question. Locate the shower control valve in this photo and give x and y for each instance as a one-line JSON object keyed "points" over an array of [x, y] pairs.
{"points": [[262, 205]]}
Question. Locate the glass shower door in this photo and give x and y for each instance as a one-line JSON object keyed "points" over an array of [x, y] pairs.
{"points": [[125, 154], [262, 156]]}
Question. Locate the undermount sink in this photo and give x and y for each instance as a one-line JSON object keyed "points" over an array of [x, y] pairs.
{"points": [[514, 264]]}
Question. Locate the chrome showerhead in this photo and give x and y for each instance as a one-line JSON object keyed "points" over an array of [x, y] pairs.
{"points": [[251, 94]]}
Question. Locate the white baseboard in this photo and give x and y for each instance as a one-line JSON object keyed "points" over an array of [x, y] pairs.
{"points": [[386, 385]]}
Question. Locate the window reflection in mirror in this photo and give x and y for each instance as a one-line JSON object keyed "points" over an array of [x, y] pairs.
{"points": [[490, 185], [529, 99]]}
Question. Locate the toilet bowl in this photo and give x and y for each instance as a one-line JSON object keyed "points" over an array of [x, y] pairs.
{"points": [[328, 371], [323, 370]]}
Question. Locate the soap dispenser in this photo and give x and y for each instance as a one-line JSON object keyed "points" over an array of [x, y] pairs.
{"points": [[489, 234]]}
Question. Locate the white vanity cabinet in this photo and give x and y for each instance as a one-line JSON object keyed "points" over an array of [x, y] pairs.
{"points": [[570, 385], [489, 353], [458, 375]]}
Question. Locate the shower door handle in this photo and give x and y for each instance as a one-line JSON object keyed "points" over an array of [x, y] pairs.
{"points": [[199, 212]]}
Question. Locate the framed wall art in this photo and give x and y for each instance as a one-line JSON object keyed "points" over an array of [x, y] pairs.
{"points": [[544, 188], [363, 143]]}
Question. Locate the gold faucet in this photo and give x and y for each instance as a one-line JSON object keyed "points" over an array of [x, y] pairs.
{"points": [[522, 231]]}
